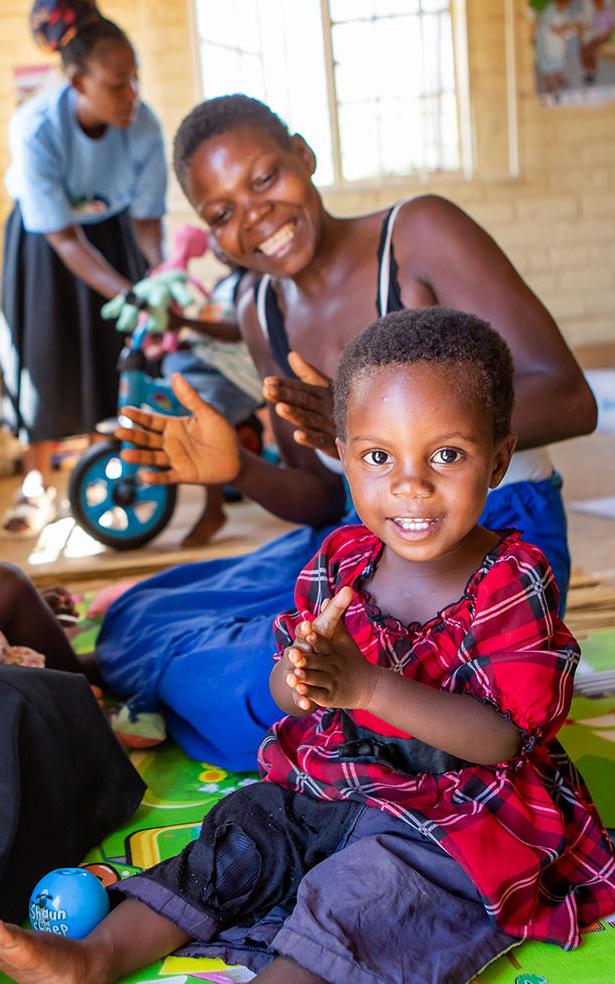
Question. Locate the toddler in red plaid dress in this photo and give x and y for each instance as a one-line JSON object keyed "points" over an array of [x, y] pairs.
{"points": [[417, 817]]}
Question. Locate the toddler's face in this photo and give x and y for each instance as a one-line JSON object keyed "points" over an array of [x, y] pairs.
{"points": [[420, 457]]}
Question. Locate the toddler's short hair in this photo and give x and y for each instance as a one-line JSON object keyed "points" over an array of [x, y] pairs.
{"points": [[433, 334], [219, 115]]}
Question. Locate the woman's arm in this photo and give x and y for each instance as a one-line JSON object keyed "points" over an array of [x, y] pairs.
{"points": [[302, 492], [438, 244], [225, 331], [305, 491], [86, 262], [202, 449], [148, 233]]}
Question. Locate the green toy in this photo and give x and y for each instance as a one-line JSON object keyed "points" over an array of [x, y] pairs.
{"points": [[151, 297]]}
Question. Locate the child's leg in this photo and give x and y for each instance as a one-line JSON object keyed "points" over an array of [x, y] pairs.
{"points": [[27, 620], [131, 937]]}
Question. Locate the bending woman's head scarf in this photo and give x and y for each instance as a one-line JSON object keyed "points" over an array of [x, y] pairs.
{"points": [[55, 23]]}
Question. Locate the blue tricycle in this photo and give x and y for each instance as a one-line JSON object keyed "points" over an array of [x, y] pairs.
{"points": [[106, 496]]}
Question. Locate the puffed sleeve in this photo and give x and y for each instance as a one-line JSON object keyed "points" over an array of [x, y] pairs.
{"points": [[149, 194], [45, 206], [517, 654], [311, 588]]}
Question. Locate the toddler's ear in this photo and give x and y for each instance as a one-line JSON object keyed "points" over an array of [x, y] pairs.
{"points": [[501, 459]]}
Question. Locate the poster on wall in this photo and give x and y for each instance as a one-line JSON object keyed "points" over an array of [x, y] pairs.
{"points": [[574, 51], [29, 80]]}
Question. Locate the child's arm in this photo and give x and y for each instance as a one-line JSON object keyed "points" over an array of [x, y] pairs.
{"points": [[335, 674], [225, 331]]}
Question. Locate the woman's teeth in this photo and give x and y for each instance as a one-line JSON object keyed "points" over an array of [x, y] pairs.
{"points": [[279, 239]]}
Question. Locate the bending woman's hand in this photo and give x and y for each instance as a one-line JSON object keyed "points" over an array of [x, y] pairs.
{"points": [[306, 403], [201, 449]]}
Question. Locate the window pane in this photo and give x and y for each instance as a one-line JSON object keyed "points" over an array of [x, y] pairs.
{"points": [[272, 50], [411, 69], [348, 10], [394, 73]]}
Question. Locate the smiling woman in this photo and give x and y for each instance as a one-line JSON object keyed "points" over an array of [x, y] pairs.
{"points": [[88, 177], [318, 281]]}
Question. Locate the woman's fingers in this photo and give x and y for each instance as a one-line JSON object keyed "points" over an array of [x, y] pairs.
{"points": [[317, 441], [138, 456], [306, 419], [149, 421], [140, 438], [169, 477], [306, 372], [186, 394], [289, 391]]}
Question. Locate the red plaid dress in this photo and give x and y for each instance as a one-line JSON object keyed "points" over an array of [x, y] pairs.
{"points": [[525, 831]]}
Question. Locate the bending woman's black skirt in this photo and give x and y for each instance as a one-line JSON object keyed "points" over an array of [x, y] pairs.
{"points": [[58, 357]]}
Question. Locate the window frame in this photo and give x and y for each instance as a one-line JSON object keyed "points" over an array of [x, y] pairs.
{"points": [[418, 177]]}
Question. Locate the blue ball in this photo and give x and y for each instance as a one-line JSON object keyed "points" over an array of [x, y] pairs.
{"points": [[68, 902]]}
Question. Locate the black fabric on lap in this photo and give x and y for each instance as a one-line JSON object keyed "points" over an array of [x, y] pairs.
{"points": [[254, 848], [65, 782]]}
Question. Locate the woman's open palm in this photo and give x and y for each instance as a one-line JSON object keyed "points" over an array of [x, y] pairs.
{"points": [[200, 449]]}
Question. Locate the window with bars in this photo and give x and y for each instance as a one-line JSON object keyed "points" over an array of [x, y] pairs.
{"points": [[370, 84]]}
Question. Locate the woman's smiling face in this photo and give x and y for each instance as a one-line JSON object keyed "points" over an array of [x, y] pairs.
{"points": [[258, 199], [420, 457]]}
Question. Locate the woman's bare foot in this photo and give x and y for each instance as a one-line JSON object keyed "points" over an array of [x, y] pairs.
{"points": [[204, 530], [210, 521], [43, 958]]}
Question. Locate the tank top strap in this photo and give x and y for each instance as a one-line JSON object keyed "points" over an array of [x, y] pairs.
{"points": [[271, 321], [389, 291]]}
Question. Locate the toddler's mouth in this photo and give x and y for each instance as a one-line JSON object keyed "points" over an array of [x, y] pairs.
{"points": [[413, 527]]}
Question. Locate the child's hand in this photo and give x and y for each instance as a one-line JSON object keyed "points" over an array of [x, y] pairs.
{"points": [[328, 668], [291, 657]]}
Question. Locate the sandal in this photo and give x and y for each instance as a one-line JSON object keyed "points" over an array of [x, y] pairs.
{"points": [[30, 514]]}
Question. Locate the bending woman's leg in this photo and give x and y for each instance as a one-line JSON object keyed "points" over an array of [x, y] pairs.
{"points": [[27, 620]]}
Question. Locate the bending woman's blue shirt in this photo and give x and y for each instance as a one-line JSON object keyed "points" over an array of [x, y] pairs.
{"points": [[198, 641], [62, 177]]}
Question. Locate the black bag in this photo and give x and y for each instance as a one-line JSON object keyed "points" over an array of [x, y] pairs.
{"points": [[65, 782]]}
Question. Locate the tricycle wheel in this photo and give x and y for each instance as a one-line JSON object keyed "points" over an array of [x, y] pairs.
{"points": [[114, 507]]}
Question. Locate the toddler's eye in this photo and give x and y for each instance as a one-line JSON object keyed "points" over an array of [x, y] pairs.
{"points": [[376, 457], [446, 456]]}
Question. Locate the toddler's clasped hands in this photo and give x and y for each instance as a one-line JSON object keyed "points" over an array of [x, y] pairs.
{"points": [[325, 666]]}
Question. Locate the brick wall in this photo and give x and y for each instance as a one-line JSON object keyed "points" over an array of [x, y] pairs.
{"points": [[556, 219]]}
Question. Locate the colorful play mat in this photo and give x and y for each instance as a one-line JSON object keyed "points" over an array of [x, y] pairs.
{"points": [[180, 791]]}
